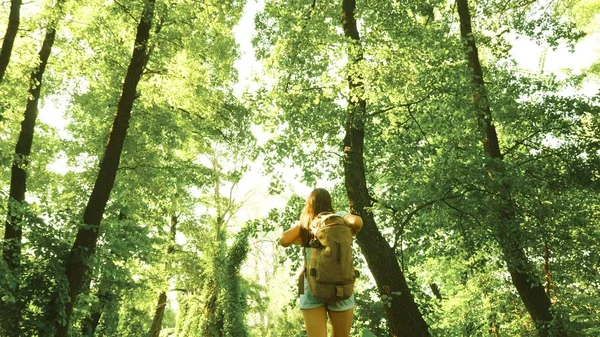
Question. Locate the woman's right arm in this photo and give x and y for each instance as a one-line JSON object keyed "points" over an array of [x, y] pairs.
{"points": [[291, 237]]}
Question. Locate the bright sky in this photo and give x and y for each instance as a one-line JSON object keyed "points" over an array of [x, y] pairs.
{"points": [[254, 185], [560, 61], [243, 32]]}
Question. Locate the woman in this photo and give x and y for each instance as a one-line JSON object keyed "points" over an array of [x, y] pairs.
{"points": [[315, 312]]}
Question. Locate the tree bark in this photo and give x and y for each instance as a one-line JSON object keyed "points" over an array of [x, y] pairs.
{"points": [[14, 20], [158, 315], [213, 318], [507, 231], [87, 235], [403, 315], [13, 232]]}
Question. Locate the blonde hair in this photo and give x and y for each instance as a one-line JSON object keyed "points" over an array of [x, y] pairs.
{"points": [[317, 202]]}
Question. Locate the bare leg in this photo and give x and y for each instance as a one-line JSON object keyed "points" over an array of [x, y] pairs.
{"points": [[315, 321], [341, 322]]}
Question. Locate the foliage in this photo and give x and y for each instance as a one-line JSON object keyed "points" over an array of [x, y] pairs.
{"points": [[425, 167], [190, 146]]}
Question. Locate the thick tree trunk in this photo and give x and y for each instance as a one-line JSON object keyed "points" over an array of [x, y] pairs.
{"points": [[520, 267], [403, 315], [87, 235], [14, 20], [11, 248]]}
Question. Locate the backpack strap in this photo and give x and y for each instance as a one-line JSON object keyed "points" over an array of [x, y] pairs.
{"points": [[302, 273], [301, 281]]}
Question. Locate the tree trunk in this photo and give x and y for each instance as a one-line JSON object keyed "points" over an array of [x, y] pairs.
{"points": [[403, 315], [89, 325], [104, 297], [9, 37], [520, 268], [87, 235], [158, 315], [234, 302], [162, 297], [213, 318], [13, 232]]}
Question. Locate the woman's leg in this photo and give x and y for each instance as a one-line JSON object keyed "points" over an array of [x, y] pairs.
{"points": [[341, 322], [315, 321]]}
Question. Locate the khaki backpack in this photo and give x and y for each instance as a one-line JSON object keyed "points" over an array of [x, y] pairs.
{"points": [[330, 272]]}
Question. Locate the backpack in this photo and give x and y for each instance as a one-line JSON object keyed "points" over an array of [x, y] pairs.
{"points": [[330, 272]]}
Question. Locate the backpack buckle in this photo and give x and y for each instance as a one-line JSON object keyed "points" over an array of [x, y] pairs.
{"points": [[315, 243]]}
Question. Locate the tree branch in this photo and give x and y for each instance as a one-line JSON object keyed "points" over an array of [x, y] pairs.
{"points": [[529, 137], [126, 10], [402, 105], [412, 213], [472, 217], [418, 125]]}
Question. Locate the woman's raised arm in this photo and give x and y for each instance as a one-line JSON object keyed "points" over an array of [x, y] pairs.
{"points": [[291, 237], [354, 221]]}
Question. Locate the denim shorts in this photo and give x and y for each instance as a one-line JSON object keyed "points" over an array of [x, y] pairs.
{"points": [[308, 301]]}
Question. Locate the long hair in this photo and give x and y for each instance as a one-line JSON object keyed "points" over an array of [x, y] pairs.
{"points": [[317, 202]]}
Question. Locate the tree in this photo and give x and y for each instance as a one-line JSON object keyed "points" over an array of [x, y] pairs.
{"points": [[10, 35], [87, 235], [162, 297], [309, 94], [425, 181], [212, 300], [11, 246], [404, 317], [522, 273], [160, 156]]}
